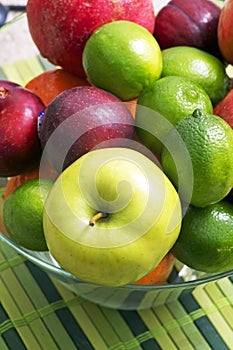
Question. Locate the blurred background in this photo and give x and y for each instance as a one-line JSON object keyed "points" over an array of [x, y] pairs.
{"points": [[15, 42]]}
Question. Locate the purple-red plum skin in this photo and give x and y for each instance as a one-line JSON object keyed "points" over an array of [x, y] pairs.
{"points": [[188, 23], [19, 142], [92, 117]]}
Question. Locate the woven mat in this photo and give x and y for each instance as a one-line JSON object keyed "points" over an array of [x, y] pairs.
{"points": [[38, 313]]}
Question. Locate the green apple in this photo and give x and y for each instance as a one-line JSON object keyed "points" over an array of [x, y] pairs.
{"points": [[111, 216]]}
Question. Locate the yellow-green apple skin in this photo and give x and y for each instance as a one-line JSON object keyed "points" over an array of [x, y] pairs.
{"points": [[141, 216]]}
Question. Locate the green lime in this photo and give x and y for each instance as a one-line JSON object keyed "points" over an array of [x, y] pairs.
{"points": [[23, 213], [199, 66], [209, 142], [167, 100], [123, 58], [205, 242]]}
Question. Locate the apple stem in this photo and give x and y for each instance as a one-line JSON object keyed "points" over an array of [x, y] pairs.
{"points": [[96, 217]]}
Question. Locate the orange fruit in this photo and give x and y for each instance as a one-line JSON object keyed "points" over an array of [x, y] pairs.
{"points": [[50, 83], [160, 273], [132, 105]]}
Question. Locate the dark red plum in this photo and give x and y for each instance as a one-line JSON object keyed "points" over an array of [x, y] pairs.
{"points": [[81, 119], [19, 142], [188, 23]]}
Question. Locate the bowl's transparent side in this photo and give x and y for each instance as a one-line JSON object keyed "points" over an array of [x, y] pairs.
{"points": [[125, 297]]}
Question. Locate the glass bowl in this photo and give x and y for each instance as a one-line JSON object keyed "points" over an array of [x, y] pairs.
{"points": [[129, 297]]}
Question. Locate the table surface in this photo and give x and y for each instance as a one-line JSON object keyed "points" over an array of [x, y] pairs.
{"points": [[36, 312]]}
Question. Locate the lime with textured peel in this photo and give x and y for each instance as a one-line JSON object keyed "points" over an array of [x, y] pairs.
{"points": [[123, 58], [167, 100], [199, 66], [23, 213], [209, 141], [205, 242]]}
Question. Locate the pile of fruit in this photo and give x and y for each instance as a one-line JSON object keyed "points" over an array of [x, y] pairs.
{"points": [[124, 152]]}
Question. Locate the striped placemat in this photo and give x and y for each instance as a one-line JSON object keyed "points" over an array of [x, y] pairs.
{"points": [[37, 312]]}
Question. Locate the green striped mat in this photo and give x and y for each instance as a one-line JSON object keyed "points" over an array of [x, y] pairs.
{"points": [[37, 312]]}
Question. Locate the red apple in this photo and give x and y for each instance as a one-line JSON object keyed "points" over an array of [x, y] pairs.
{"points": [[188, 23], [19, 141], [60, 28], [80, 119], [225, 31], [224, 108]]}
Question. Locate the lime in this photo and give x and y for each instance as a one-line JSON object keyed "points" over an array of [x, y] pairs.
{"points": [[205, 242], [167, 100], [23, 213], [209, 141], [123, 58], [199, 66]]}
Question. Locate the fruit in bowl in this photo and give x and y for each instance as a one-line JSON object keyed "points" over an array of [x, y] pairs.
{"points": [[126, 68], [112, 207], [131, 294], [225, 32], [199, 18], [22, 213], [62, 38], [19, 142], [80, 119]]}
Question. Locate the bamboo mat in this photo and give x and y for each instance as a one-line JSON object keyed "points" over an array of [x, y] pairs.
{"points": [[37, 312]]}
